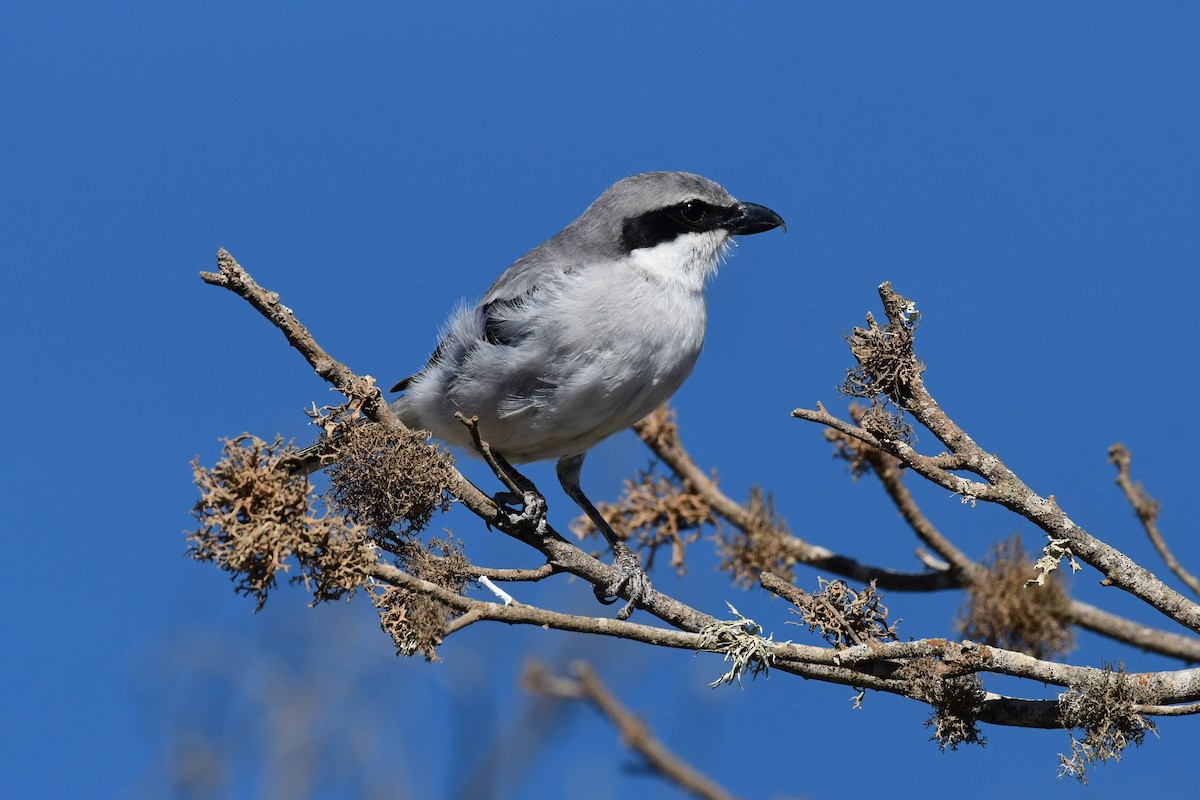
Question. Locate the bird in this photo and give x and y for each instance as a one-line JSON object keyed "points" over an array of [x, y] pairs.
{"points": [[584, 335]]}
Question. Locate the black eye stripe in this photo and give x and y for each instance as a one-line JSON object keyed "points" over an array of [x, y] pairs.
{"points": [[665, 224]]}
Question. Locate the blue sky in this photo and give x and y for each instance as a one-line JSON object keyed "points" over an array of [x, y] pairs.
{"points": [[1027, 172]]}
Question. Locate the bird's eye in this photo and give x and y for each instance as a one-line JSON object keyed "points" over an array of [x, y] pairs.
{"points": [[692, 211]]}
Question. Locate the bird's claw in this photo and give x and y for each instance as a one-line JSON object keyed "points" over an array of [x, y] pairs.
{"points": [[631, 578], [533, 509]]}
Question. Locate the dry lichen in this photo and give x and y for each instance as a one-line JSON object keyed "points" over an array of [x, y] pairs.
{"points": [[1002, 609], [1105, 711], [417, 622], [765, 546], [887, 365], [956, 699], [742, 643], [886, 374], [257, 518], [843, 616], [654, 510], [390, 480]]}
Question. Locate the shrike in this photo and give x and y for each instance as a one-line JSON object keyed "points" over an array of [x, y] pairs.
{"points": [[586, 334]]}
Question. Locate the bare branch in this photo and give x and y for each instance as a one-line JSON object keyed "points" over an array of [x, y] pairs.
{"points": [[1114, 626], [517, 575], [887, 469], [855, 666], [660, 434]]}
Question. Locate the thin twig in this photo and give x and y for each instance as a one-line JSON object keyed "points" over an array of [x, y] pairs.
{"points": [[516, 575], [778, 586], [928, 467], [1146, 508], [515, 481], [667, 446], [1168, 711]]}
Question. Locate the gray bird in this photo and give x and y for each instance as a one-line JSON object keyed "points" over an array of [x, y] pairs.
{"points": [[585, 334]]}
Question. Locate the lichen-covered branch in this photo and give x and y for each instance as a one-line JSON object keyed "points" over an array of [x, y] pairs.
{"points": [[867, 665], [889, 371], [259, 518], [764, 542]]}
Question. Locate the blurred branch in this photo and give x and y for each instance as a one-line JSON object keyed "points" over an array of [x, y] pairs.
{"points": [[587, 686], [1144, 637]]}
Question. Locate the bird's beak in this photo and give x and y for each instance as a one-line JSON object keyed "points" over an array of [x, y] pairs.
{"points": [[751, 218]]}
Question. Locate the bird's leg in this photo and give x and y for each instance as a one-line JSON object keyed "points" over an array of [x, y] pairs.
{"points": [[630, 575], [520, 489]]}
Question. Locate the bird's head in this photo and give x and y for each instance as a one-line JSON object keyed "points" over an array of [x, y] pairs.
{"points": [[672, 219]]}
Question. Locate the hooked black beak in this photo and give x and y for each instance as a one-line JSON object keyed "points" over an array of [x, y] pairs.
{"points": [[753, 218]]}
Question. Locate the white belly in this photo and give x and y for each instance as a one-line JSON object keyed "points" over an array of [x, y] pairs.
{"points": [[644, 349]]}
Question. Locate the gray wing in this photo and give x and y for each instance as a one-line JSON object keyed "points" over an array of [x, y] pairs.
{"points": [[542, 265], [515, 287]]}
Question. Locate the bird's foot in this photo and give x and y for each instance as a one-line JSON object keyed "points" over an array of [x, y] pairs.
{"points": [[532, 515], [630, 578]]}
